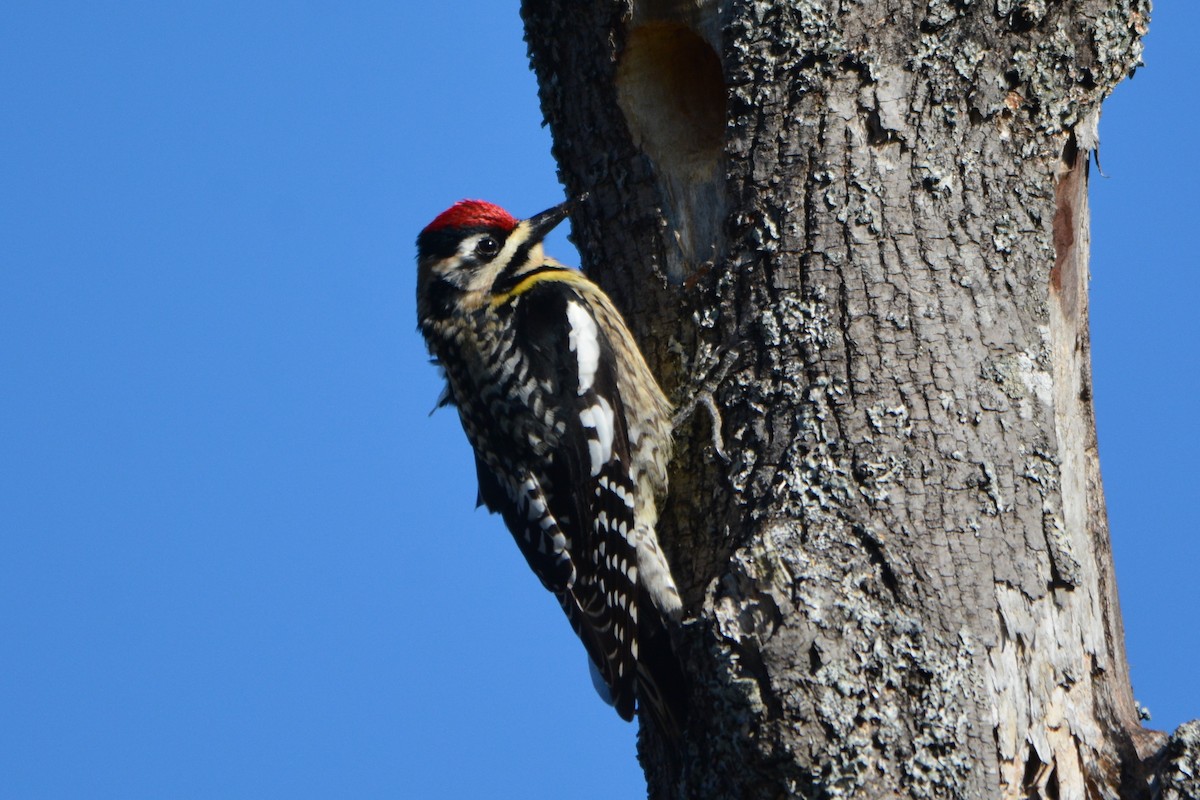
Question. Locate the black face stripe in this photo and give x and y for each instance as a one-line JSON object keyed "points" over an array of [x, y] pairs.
{"points": [[444, 242], [511, 275], [509, 278], [521, 255], [441, 295]]}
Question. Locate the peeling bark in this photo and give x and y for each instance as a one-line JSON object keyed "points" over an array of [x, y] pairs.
{"points": [[853, 236]]}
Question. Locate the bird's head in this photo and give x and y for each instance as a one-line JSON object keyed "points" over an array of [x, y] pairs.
{"points": [[471, 245]]}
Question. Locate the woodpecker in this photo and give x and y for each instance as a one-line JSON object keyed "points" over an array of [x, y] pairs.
{"points": [[571, 434]]}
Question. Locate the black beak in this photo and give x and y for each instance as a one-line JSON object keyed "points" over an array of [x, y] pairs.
{"points": [[541, 224]]}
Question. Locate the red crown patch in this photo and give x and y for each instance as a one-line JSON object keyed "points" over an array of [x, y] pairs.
{"points": [[473, 214]]}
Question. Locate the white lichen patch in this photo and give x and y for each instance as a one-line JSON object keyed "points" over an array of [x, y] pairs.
{"points": [[1037, 381], [890, 419], [1022, 378]]}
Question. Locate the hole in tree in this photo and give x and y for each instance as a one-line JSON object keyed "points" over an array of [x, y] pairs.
{"points": [[671, 90], [672, 93]]}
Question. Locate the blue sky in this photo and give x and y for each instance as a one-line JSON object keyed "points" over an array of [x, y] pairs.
{"points": [[238, 557]]}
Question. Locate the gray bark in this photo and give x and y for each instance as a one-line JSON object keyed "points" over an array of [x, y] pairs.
{"points": [[852, 238]]}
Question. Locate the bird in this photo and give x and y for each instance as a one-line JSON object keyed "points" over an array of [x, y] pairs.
{"points": [[571, 434]]}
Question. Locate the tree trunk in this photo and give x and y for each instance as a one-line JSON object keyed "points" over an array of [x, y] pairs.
{"points": [[853, 240]]}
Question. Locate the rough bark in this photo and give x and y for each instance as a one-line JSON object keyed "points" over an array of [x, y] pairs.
{"points": [[853, 238]]}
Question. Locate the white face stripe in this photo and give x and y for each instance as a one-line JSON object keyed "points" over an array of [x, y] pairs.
{"points": [[583, 340], [518, 237], [467, 246], [464, 254], [480, 278], [452, 268]]}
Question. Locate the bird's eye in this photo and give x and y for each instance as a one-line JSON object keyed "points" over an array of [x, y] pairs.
{"points": [[487, 247]]}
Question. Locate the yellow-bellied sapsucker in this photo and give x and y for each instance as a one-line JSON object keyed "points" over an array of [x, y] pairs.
{"points": [[571, 433]]}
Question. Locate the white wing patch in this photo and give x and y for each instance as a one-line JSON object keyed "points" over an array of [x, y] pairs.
{"points": [[599, 417], [583, 340]]}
